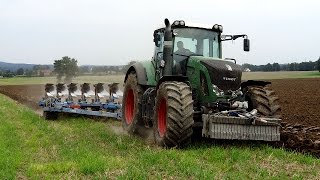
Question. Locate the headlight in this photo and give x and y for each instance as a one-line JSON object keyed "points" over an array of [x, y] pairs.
{"points": [[182, 23], [216, 27], [176, 23], [217, 91], [220, 28]]}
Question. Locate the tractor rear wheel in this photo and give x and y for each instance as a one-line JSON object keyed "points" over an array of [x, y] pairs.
{"points": [[264, 100], [173, 117], [131, 113]]}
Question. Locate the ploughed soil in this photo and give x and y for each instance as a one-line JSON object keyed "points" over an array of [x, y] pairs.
{"points": [[299, 99], [29, 95], [300, 103]]}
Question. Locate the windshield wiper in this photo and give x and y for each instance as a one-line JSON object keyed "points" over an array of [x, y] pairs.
{"points": [[192, 54]]}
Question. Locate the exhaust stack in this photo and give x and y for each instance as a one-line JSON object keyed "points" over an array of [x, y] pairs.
{"points": [[167, 49]]}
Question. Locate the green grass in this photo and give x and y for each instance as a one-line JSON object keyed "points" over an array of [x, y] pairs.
{"points": [[71, 148], [313, 74]]}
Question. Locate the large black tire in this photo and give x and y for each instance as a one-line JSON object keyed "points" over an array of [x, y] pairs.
{"points": [[264, 100], [173, 117], [131, 113], [47, 115]]}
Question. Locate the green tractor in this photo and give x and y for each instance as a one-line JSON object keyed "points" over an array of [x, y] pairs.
{"points": [[188, 86]]}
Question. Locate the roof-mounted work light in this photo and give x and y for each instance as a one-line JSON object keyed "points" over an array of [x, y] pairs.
{"points": [[217, 27], [178, 23]]}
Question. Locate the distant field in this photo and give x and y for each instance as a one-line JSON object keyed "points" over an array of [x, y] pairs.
{"points": [[80, 148], [120, 78], [44, 80], [280, 75]]}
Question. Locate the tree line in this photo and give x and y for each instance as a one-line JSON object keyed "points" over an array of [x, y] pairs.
{"points": [[96, 70], [68, 68], [35, 71], [303, 66]]}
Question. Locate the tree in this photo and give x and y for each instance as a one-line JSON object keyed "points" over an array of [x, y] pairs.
{"points": [[66, 67], [276, 67], [318, 64], [268, 67], [8, 73], [292, 67], [84, 69], [20, 71], [28, 72]]}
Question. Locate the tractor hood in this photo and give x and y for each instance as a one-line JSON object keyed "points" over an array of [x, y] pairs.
{"points": [[226, 75]]}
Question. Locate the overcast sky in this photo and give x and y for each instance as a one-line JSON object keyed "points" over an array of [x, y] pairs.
{"points": [[103, 32]]}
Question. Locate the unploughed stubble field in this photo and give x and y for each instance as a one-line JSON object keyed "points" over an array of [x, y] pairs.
{"points": [[43, 80], [120, 78], [78, 147]]}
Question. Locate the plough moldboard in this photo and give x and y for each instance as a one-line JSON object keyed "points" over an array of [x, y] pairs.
{"points": [[85, 99]]}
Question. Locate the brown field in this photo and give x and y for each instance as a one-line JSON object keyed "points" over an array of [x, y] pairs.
{"points": [[299, 98]]}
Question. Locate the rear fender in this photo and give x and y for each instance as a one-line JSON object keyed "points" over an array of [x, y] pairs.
{"points": [[245, 84]]}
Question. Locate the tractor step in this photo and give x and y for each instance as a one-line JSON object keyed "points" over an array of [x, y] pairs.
{"points": [[240, 128]]}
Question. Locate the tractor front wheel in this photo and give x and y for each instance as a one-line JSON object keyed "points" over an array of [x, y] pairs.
{"points": [[131, 113], [173, 117]]}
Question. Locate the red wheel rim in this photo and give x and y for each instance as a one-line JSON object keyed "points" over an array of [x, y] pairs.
{"points": [[162, 117], [129, 106]]}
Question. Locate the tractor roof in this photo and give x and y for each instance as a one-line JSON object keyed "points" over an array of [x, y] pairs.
{"points": [[189, 24]]}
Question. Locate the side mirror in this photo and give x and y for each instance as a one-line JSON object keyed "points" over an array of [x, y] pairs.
{"points": [[246, 44], [156, 39]]}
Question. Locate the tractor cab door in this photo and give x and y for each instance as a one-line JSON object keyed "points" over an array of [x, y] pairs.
{"points": [[158, 53], [181, 55]]}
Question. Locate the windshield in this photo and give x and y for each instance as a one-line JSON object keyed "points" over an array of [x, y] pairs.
{"points": [[193, 41]]}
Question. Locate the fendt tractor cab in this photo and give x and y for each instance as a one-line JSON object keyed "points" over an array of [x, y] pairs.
{"points": [[188, 85]]}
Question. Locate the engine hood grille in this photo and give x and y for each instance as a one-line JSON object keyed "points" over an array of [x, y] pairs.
{"points": [[224, 74]]}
